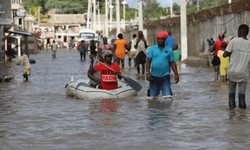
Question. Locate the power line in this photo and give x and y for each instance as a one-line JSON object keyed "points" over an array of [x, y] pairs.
{"points": [[163, 3], [229, 19], [133, 4]]}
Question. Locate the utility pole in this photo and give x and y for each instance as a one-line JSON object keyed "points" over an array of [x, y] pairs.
{"points": [[89, 6], [94, 8], [118, 28], [39, 16], [171, 8], [106, 18], [99, 23], [111, 15], [140, 15], [183, 30], [198, 5], [124, 3]]}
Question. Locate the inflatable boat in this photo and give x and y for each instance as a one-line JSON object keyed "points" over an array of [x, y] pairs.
{"points": [[82, 90]]}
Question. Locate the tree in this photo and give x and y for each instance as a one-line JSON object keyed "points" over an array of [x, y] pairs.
{"points": [[68, 6], [205, 4], [35, 3], [176, 7], [150, 4]]}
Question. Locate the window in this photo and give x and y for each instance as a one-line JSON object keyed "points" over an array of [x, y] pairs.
{"points": [[20, 21], [87, 35], [15, 1]]}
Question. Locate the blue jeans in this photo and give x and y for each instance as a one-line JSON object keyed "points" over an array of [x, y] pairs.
{"points": [[82, 54], [158, 84], [242, 87]]}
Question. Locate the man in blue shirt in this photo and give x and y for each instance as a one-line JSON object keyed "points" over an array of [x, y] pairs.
{"points": [[162, 58], [170, 41]]}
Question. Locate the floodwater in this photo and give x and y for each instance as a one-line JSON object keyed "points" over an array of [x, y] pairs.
{"points": [[37, 115]]}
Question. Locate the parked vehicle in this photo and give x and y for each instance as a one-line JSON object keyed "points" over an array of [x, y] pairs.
{"points": [[87, 35]]}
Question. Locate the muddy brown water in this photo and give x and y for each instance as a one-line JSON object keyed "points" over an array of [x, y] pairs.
{"points": [[37, 115]]}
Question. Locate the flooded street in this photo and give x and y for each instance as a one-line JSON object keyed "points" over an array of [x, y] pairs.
{"points": [[37, 115]]}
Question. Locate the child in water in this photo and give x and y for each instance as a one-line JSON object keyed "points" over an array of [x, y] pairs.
{"points": [[177, 56], [224, 62], [25, 64]]}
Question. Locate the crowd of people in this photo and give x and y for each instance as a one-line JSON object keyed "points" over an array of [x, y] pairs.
{"points": [[107, 60], [230, 61]]}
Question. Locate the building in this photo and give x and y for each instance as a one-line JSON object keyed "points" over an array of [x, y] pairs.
{"points": [[16, 31], [5, 24]]}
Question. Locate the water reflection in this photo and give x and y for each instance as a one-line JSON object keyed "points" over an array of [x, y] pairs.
{"points": [[108, 106], [38, 114], [236, 131], [238, 114], [158, 113]]}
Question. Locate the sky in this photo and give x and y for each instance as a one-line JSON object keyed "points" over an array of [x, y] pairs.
{"points": [[164, 3]]}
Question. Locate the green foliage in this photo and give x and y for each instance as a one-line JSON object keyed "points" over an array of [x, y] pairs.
{"points": [[34, 11], [34, 3], [206, 4], [68, 6], [191, 9], [203, 4], [151, 8], [176, 7], [130, 13]]}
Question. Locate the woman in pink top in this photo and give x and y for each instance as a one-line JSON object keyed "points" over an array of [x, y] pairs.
{"points": [[105, 46]]}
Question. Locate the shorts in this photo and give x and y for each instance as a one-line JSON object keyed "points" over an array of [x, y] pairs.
{"points": [[160, 84], [178, 66], [132, 54], [141, 58]]}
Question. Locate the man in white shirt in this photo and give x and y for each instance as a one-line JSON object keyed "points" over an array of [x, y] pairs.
{"points": [[54, 48], [132, 52], [238, 69]]}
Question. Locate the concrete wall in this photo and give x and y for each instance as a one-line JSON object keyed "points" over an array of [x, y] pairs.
{"points": [[6, 7]]}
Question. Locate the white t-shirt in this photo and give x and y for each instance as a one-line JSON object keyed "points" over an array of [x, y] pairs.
{"points": [[133, 42], [54, 47], [141, 47], [238, 69]]}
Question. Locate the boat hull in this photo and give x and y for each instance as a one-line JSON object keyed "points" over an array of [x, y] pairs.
{"points": [[81, 90]]}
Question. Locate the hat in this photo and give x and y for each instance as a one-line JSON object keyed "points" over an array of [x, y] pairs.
{"points": [[108, 53], [162, 34]]}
